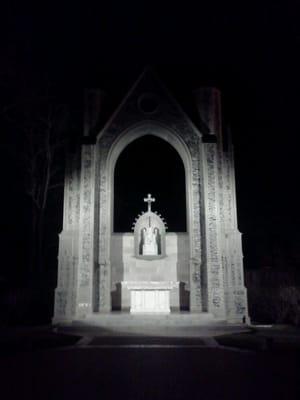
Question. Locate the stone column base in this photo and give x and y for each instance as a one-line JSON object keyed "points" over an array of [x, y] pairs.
{"points": [[237, 305]]}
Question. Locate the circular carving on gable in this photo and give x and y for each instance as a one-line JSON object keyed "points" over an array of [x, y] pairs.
{"points": [[148, 103]]}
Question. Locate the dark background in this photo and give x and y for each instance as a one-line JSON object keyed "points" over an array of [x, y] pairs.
{"points": [[149, 165], [249, 50]]}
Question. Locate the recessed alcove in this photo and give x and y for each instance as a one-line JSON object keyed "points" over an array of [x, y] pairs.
{"points": [[149, 165]]}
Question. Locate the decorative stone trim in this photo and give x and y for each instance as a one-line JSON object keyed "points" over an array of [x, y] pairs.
{"points": [[150, 285], [187, 143], [86, 232], [215, 279]]}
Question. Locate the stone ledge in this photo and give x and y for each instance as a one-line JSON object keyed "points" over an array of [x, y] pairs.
{"points": [[150, 285]]}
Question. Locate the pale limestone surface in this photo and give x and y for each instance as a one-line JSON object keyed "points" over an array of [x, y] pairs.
{"points": [[149, 300], [209, 268], [165, 272]]}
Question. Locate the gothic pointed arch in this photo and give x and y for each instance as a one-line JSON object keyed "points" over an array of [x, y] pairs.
{"points": [[187, 143]]}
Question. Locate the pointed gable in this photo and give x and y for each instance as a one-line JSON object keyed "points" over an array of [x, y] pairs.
{"points": [[148, 100]]}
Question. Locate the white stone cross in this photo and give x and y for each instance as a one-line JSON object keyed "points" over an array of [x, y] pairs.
{"points": [[149, 200]]}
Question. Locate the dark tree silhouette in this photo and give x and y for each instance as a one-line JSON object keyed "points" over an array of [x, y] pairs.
{"points": [[39, 121]]}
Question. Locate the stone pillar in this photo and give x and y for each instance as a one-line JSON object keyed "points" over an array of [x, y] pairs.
{"points": [[235, 291], [214, 275], [104, 287], [65, 293], [104, 297], [86, 265], [195, 284], [208, 101]]}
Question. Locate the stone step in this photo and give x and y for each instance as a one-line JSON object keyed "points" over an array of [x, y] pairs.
{"points": [[116, 319]]}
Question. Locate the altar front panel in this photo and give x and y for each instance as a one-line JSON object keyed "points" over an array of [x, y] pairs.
{"points": [[149, 301]]}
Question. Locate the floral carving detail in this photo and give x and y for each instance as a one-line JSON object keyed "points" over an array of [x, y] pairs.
{"points": [[86, 262]]}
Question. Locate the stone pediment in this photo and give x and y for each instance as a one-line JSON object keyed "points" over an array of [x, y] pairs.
{"points": [[148, 100]]}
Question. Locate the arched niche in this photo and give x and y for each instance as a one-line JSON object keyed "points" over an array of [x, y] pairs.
{"points": [[110, 144], [149, 236], [149, 164], [137, 132]]}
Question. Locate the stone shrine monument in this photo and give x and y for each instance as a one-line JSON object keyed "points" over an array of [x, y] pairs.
{"points": [[151, 270], [149, 238]]}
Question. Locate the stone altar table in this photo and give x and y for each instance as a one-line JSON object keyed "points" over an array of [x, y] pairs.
{"points": [[150, 297]]}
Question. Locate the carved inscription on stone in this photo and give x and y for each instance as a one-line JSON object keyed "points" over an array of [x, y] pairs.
{"points": [[104, 288], [239, 302], [72, 193], [213, 231], [228, 191], [86, 218], [212, 223], [60, 303], [193, 143]]}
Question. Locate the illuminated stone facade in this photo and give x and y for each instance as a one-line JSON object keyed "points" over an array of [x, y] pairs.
{"points": [[211, 269]]}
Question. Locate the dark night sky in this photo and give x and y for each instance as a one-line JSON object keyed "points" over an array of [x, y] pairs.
{"points": [[250, 50]]}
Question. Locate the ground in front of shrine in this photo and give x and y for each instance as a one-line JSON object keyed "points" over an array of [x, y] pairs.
{"points": [[260, 362]]}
